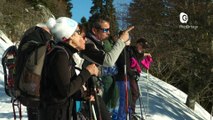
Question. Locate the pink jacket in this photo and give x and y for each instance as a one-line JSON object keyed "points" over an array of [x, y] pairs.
{"points": [[146, 62]]}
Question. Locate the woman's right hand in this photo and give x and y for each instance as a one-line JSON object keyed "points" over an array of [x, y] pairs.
{"points": [[93, 69]]}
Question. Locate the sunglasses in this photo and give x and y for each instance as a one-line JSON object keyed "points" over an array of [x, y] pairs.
{"points": [[104, 29], [78, 32]]}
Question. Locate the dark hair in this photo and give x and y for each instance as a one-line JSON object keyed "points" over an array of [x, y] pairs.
{"points": [[143, 42], [82, 28], [96, 19]]}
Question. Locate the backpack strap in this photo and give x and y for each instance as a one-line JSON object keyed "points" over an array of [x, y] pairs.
{"points": [[51, 45]]}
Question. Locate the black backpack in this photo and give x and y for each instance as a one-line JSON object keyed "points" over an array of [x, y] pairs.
{"points": [[8, 63], [23, 66], [33, 48]]}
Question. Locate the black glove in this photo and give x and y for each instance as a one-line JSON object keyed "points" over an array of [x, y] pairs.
{"points": [[136, 76]]}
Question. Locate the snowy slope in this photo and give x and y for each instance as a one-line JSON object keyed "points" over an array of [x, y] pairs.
{"points": [[166, 102], [160, 101]]}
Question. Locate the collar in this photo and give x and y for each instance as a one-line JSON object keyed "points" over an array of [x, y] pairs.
{"points": [[92, 36], [97, 42], [67, 47]]}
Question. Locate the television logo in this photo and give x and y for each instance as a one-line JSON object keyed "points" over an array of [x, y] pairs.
{"points": [[183, 17]]}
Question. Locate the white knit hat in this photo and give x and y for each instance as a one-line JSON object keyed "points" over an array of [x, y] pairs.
{"points": [[62, 28]]}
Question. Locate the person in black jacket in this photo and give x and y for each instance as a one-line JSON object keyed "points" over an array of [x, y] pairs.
{"points": [[61, 81], [99, 30], [122, 80], [41, 34]]}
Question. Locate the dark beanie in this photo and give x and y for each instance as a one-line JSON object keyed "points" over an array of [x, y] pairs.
{"points": [[143, 43]]}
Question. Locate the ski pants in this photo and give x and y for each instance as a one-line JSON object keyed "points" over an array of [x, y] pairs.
{"points": [[122, 99], [135, 93]]}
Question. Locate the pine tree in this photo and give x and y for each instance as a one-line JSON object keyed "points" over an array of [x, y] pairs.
{"points": [[106, 8], [182, 55], [110, 11], [97, 7]]}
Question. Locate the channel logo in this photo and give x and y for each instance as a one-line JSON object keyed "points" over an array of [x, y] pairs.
{"points": [[183, 17]]}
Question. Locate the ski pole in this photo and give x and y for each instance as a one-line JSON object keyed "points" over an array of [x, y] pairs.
{"points": [[126, 85], [94, 79], [140, 101], [147, 79], [146, 64], [93, 111], [90, 110]]}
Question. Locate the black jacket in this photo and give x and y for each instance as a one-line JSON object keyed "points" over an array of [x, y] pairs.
{"points": [[35, 34], [95, 53], [123, 59], [60, 85]]}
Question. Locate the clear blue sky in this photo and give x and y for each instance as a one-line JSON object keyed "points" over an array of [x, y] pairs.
{"points": [[81, 8]]}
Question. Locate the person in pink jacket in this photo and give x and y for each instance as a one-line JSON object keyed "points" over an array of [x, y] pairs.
{"points": [[138, 61]]}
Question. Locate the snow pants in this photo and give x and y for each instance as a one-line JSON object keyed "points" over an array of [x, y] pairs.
{"points": [[122, 99]]}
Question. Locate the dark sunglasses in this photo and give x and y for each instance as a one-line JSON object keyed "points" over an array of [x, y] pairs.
{"points": [[104, 29]]}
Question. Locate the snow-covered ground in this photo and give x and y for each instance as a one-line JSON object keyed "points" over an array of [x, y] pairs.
{"points": [[165, 102], [160, 101]]}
